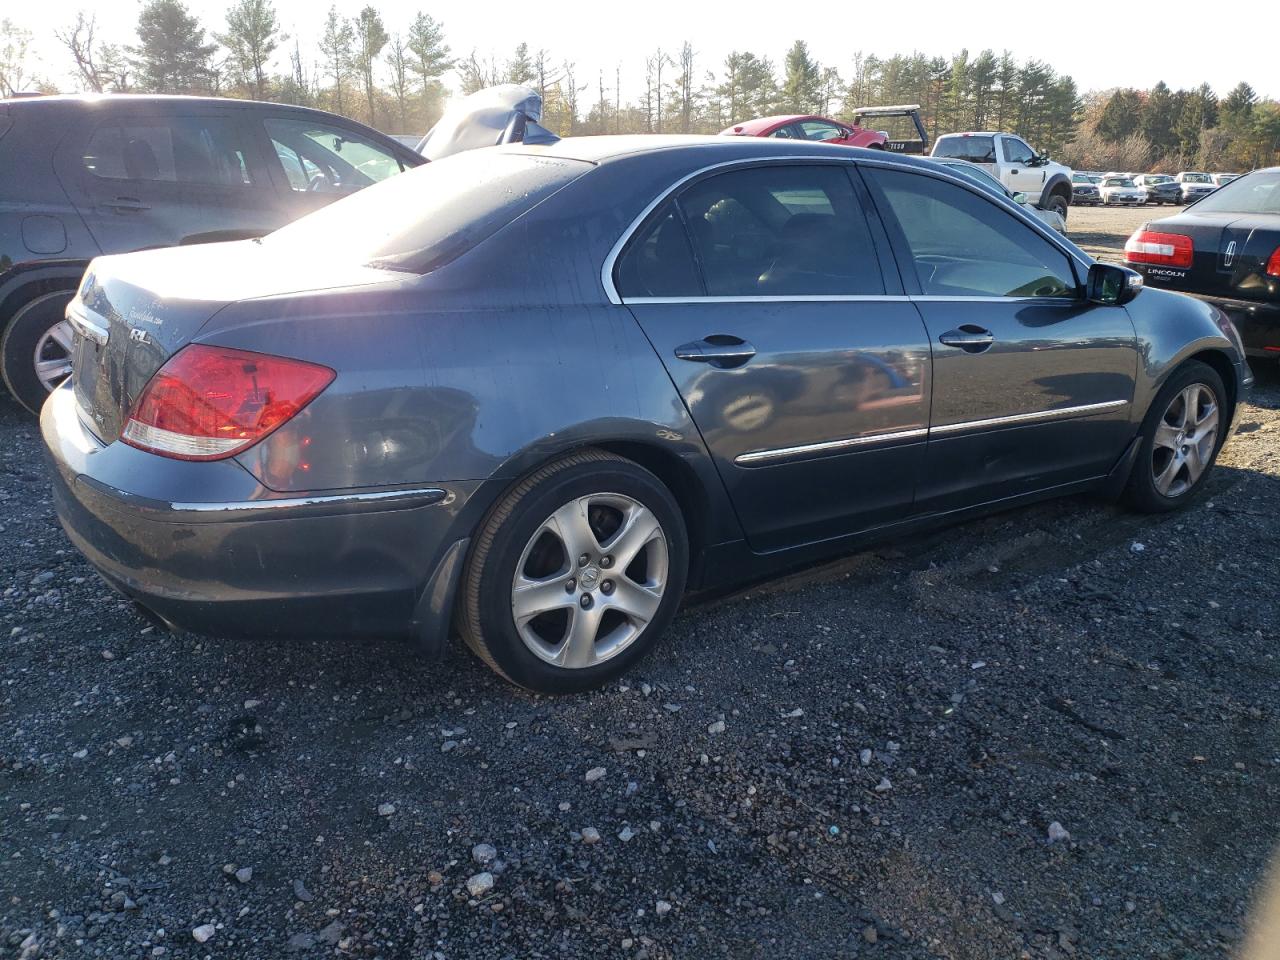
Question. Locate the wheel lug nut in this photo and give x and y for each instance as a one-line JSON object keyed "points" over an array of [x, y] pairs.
{"points": [[607, 588], [583, 560], [586, 601], [606, 562], [570, 585]]}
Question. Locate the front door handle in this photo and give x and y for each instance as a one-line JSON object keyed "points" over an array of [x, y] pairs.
{"points": [[969, 337], [720, 350]]}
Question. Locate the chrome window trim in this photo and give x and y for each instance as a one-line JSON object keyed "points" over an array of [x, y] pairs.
{"points": [[825, 446], [606, 271], [1077, 257], [778, 453], [88, 323], [854, 298], [1058, 413]]}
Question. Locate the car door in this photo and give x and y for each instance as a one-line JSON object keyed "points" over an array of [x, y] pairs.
{"points": [[1021, 176], [1032, 384], [316, 161], [145, 177], [802, 363]]}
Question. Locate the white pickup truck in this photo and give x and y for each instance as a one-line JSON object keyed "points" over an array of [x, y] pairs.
{"points": [[1008, 158]]}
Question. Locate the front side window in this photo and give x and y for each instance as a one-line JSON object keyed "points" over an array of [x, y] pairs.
{"points": [[206, 150], [964, 246], [820, 130], [1015, 151], [781, 231], [973, 149], [320, 158]]}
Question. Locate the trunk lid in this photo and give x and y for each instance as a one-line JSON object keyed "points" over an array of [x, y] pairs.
{"points": [[133, 312]]}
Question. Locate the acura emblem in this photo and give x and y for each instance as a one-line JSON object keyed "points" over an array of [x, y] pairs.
{"points": [[1230, 255]]}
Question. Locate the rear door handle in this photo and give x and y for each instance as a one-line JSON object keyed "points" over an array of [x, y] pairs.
{"points": [[969, 337], [721, 350], [126, 204]]}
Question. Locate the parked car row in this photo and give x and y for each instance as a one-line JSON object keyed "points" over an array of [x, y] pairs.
{"points": [[533, 393], [1157, 188]]}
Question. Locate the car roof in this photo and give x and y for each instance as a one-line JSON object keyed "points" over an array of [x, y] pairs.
{"points": [[708, 149], [99, 101]]}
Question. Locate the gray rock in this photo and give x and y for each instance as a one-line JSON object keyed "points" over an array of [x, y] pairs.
{"points": [[717, 727], [590, 835], [483, 853], [1058, 833], [301, 892], [244, 874], [386, 809], [204, 933], [480, 884], [594, 774]]}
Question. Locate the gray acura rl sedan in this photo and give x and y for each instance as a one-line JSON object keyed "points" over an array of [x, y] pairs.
{"points": [[533, 394]]}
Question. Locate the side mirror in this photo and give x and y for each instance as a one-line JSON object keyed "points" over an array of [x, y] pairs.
{"points": [[1018, 197], [1111, 285]]}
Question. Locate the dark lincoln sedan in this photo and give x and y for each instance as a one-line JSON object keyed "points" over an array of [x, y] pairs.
{"points": [[1225, 249], [536, 393]]}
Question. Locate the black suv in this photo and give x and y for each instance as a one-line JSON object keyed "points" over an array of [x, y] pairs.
{"points": [[87, 175]]}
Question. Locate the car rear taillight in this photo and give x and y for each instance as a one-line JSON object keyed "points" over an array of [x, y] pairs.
{"points": [[1273, 263], [1166, 249], [207, 403]]}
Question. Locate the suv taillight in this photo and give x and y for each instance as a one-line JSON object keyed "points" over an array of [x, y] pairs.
{"points": [[208, 403], [1273, 263], [1166, 249]]}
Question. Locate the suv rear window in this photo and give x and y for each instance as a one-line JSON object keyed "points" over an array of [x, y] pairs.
{"points": [[973, 149], [425, 218]]}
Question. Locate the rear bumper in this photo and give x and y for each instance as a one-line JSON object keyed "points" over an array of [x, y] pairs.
{"points": [[212, 551], [1258, 323]]}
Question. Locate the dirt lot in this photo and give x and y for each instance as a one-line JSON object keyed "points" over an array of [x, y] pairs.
{"points": [[903, 733]]}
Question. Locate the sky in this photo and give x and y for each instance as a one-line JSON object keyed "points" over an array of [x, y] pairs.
{"points": [[1082, 40]]}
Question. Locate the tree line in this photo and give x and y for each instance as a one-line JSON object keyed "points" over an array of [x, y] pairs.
{"points": [[392, 75]]}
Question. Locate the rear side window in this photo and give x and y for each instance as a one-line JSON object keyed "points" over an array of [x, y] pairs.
{"points": [[973, 149], [781, 231], [429, 216], [965, 246], [205, 150], [659, 262]]}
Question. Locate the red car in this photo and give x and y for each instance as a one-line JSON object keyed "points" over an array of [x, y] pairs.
{"points": [[805, 127]]}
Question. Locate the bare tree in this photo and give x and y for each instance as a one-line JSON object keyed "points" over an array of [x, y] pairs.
{"points": [[336, 47], [79, 41], [15, 44], [398, 60], [371, 37]]}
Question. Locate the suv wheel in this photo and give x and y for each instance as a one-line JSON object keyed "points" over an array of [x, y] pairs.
{"points": [[1058, 204], [35, 352], [574, 574]]}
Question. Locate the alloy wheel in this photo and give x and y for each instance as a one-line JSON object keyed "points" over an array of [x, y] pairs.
{"points": [[53, 355], [1185, 440], [590, 580]]}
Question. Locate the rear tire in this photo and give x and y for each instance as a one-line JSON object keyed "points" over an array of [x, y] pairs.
{"points": [[1059, 205], [1181, 435], [541, 617], [39, 324]]}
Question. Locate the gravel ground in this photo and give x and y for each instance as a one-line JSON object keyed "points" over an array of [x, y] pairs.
{"points": [[1050, 733], [1102, 231]]}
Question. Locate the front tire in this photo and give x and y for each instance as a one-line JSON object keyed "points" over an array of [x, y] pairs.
{"points": [[574, 573], [35, 352], [1183, 431]]}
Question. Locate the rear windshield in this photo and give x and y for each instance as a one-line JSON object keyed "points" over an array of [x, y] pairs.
{"points": [[421, 220], [973, 149], [1255, 193]]}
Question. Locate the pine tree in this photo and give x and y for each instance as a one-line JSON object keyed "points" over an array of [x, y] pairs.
{"points": [[371, 36], [171, 55], [429, 62], [802, 80], [251, 38], [335, 44]]}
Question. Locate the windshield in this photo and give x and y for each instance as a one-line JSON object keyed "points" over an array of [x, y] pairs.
{"points": [[973, 149], [1196, 178], [1118, 182], [423, 219], [1158, 178], [1080, 178], [1255, 193]]}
